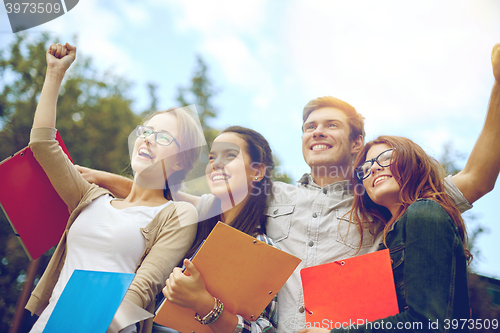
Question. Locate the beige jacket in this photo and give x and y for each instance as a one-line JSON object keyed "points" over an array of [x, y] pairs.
{"points": [[168, 236]]}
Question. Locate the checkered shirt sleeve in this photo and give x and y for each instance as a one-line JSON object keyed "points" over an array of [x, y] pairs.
{"points": [[268, 319]]}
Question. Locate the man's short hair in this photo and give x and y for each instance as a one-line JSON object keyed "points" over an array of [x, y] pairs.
{"points": [[355, 120]]}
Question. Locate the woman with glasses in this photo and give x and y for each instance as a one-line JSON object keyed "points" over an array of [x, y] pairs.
{"points": [[145, 233], [239, 178], [423, 230]]}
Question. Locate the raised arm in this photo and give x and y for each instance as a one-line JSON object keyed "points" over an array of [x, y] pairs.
{"points": [[59, 58], [46, 150], [120, 186], [482, 168]]}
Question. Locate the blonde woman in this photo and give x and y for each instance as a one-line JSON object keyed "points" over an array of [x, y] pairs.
{"points": [[145, 233]]}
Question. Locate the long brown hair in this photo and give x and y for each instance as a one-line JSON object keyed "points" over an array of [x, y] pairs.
{"points": [[418, 176], [251, 219]]}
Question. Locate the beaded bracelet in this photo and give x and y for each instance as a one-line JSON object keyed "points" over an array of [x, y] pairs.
{"points": [[213, 315]]}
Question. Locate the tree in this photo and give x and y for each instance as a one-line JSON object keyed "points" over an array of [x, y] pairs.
{"points": [[94, 120], [277, 174], [482, 303], [448, 160], [200, 92], [94, 117], [480, 300], [153, 97]]}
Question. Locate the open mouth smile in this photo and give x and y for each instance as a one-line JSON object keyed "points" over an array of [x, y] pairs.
{"points": [[380, 179], [320, 146], [146, 153], [220, 177]]}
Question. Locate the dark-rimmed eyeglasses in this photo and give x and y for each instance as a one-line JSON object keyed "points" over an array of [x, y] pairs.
{"points": [[384, 159], [161, 137]]}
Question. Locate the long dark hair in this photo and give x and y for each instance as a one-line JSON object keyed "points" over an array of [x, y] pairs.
{"points": [[418, 176], [251, 219]]}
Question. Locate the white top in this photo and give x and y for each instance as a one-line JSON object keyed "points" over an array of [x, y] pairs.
{"points": [[102, 238]]}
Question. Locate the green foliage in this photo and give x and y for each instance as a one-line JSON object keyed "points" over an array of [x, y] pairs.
{"points": [[480, 301], [13, 264], [200, 92], [277, 174], [449, 159], [94, 119], [21, 74], [152, 89]]}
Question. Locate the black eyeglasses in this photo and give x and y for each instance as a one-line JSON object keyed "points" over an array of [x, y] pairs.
{"points": [[384, 159], [161, 137]]}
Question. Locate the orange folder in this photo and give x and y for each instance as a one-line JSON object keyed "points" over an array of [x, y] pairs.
{"points": [[244, 273], [34, 209], [351, 291]]}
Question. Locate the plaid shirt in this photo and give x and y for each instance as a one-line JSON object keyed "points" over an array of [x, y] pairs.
{"points": [[268, 319]]}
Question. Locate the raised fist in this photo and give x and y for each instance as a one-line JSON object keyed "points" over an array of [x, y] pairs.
{"points": [[60, 57]]}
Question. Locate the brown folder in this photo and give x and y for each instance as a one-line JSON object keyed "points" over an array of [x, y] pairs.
{"points": [[244, 273]]}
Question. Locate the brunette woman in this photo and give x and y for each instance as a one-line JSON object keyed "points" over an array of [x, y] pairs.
{"points": [[239, 179]]}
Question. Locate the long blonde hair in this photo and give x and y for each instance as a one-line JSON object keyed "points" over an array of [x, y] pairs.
{"points": [[190, 139]]}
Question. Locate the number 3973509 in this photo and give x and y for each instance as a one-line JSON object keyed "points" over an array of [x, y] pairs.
{"points": [[471, 323], [32, 8]]}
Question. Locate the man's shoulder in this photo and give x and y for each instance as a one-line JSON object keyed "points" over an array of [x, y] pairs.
{"points": [[284, 186], [283, 192]]}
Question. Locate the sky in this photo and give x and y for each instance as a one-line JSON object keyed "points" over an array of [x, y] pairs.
{"points": [[419, 69]]}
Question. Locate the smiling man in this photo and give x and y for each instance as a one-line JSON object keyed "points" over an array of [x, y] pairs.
{"points": [[332, 134], [309, 220]]}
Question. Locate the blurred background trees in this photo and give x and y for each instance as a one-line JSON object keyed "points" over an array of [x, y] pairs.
{"points": [[95, 119], [482, 290]]}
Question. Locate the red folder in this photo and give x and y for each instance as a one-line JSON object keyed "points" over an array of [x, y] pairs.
{"points": [[34, 209], [351, 291], [244, 273]]}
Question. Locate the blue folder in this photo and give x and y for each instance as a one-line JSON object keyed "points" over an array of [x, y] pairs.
{"points": [[89, 302]]}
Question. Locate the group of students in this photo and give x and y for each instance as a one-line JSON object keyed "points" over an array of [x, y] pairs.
{"points": [[406, 205]]}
